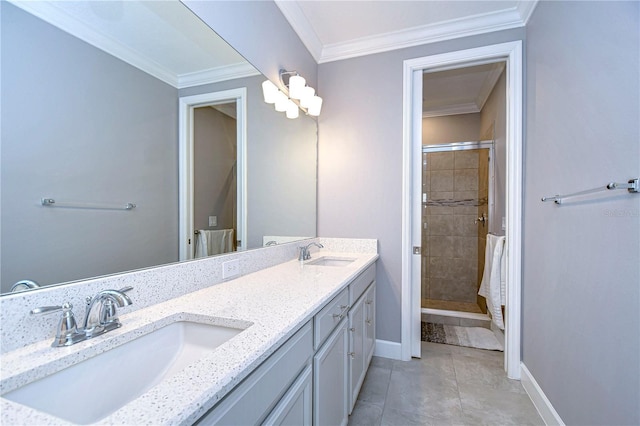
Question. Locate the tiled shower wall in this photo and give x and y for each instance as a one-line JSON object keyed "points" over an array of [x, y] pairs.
{"points": [[451, 240]]}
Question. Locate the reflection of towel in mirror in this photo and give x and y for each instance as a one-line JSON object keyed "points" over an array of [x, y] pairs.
{"points": [[210, 242], [493, 284]]}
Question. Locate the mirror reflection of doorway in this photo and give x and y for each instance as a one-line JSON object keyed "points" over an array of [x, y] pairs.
{"points": [[215, 179]]}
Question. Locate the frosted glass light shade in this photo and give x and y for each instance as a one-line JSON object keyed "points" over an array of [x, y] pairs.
{"points": [[296, 85], [307, 95], [315, 106], [269, 91], [292, 110], [281, 102]]}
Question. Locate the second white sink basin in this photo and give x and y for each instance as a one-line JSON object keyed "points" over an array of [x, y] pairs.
{"points": [[93, 389], [331, 261]]}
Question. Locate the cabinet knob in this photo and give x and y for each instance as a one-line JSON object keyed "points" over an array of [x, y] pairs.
{"points": [[352, 329], [368, 322], [352, 354]]}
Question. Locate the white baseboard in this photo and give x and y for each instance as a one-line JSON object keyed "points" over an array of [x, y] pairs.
{"points": [[387, 349], [549, 415]]}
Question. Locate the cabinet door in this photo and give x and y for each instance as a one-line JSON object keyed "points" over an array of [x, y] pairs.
{"points": [[295, 406], [370, 322], [356, 350], [330, 377]]}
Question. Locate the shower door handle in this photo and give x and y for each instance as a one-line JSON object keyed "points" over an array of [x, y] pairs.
{"points": [[482, 219]]}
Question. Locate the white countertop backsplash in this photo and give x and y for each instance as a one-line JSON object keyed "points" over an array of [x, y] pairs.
{"points": [[274, 293]]}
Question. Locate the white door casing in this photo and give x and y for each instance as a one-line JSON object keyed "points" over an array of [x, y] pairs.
{"points": [[511, 53], [186, 107]]}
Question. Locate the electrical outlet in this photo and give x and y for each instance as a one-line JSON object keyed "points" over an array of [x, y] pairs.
{"points": [[213, 220], [230, 269]]}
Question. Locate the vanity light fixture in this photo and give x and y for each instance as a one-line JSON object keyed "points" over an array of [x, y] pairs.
{"points": [[296, 95]]}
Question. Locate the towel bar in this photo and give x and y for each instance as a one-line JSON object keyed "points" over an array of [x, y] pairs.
{"points": [[632, 186], [50, 202]]}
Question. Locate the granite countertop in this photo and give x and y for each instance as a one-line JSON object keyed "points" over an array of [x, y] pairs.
{"points": [[274, 303]]}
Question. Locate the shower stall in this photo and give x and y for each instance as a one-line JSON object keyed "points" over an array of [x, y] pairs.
{"points": [[457, 194]]}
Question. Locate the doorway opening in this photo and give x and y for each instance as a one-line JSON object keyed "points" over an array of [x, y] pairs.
{"points": [[457, 210], [510, 54], [213, 202]]}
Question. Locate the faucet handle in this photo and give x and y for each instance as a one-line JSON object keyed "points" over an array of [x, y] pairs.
{"points": [[67, 330]]}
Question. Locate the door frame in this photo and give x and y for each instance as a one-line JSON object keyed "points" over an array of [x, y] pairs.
{"points": [[186, 105], [511, 53]]}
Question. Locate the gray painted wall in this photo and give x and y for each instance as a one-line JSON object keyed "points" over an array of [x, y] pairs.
{"points": [[80, 125], [360, 158], [451, 128], [281, 163], [581, 327]]}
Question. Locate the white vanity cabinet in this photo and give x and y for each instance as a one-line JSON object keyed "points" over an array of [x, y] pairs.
{"points": [[341, 362], [330, 379], [314, 377], [277, 392], [361, 332]]}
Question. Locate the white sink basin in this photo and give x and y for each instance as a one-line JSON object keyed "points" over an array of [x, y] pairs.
{"points": [[93, 389], [331, 261]]}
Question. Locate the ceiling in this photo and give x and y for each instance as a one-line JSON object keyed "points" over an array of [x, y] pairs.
{"points": [[459, 91], [162, 38], [335, 30], [166, 40]]}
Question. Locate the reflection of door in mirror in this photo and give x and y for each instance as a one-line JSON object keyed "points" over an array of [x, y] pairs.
{"points": [[212, 173], [214, 179]]}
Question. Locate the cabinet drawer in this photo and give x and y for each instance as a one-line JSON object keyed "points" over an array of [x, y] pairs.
{"points": [[329, 317], [251, 401], [360, 283]]}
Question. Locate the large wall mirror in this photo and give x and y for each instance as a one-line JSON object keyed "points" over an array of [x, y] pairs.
{"points": [[90, 153]]}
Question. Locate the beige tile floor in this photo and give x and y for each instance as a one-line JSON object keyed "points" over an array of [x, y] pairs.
{"points": [[449, 385]]}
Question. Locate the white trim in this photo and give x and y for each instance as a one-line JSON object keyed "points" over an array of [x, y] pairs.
{"points": [[48, 12], [386, 349], [469, 108], [511, 53], [526, 8], [456, 314], [301, 25], [432, 33], [549, 414], [186, 105], [216, 75]]}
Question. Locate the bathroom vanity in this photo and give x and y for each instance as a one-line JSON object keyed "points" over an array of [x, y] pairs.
{"points": [[301, 336]]}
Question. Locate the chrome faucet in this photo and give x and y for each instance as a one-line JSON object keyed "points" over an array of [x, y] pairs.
{"points": [[100, 317], [23, 285], [304, 251], [101, 313]]}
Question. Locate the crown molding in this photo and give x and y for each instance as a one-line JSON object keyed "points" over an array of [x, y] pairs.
{"points": [[447, 30], [526, 8], [216, 75], [301, 25], [48, 12], [488, 84], [468, 108]]}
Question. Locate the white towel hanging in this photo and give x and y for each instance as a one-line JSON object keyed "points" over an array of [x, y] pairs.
{"points": [[493, 284], [210, 242]]}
